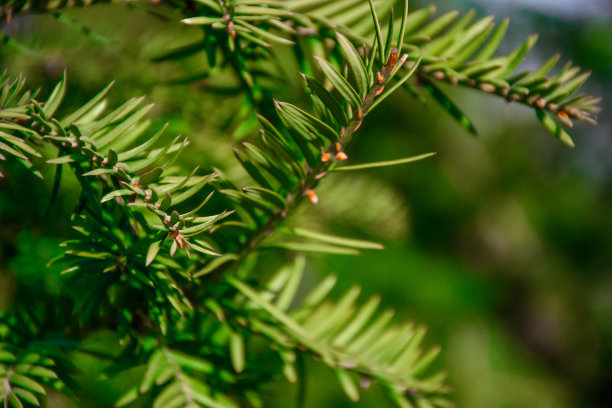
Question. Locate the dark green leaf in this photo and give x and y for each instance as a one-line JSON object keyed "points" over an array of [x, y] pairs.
{"points": [[348, 385], [554, 128], [27, 383], [493, 44], [150, 176], [55, 98], [267, 195], [340, 83], [61, 160], [449, 106], [13, 400], [251, 168], [114, 194], [354, 60], [214, 264], [129, 396], [332, 239], [379, 40], [275, 134], [402, 32], [143, 148], [312, 247], [237, 351], [201, 20], [152, 252], [27, 396], [98, 172], [190, 361], [79, 113], [384, 163], [328, 100], [309, 121]]}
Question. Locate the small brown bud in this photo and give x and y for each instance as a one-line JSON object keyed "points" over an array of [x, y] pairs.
{"points": [[402, 60], [312, 196], [439, 75], [366, 381], [563, 115], [487, 88], [540, 103]]}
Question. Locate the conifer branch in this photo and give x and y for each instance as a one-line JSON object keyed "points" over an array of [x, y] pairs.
{"points": [[357, 342], [190, 331], [132, 172], [457, 51]]}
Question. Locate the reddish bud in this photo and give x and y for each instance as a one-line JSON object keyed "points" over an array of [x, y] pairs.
{"points": [[312, 196], [487, 88], [540, 103]]}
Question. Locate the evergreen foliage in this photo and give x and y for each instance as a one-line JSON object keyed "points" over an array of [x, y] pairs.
{"points": [[168, 261]]}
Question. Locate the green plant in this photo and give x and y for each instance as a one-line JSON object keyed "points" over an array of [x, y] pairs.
{"points": [[188, 271]]}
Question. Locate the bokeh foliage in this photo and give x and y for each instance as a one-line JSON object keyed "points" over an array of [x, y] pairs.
{"points": [[479, 256]]}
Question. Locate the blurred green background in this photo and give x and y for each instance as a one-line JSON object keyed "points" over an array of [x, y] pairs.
{"points": [[501, 244]]}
